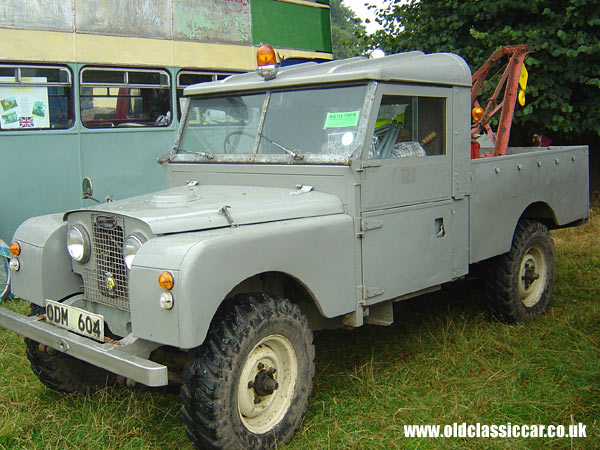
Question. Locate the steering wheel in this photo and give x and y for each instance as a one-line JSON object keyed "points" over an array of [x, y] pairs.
{"points": [[227, 142]]}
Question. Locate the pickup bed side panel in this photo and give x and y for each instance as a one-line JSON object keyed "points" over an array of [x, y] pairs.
{"points": [[503, 187], [317, 251]]}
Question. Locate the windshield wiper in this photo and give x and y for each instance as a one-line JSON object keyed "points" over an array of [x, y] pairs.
{"points": [[296, 155], [207, 154]]}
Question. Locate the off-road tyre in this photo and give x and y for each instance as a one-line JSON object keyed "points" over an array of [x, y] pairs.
{"points": [[61, 372], [519, 284], [216, 379]]}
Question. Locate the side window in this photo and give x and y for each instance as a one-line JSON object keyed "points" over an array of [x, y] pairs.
{"points": [[409, 126], [35, 97], [186, 78], [125, 98]]}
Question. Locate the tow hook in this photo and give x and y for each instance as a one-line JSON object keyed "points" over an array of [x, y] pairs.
{"points": [[264, 382], [46, 349]]}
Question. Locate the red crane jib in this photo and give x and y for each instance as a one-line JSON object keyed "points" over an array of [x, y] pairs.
{"points": [[508, 85]]}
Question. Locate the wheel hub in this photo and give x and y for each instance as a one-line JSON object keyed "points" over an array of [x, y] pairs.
{"points": [[267, 382], [264, 382], [532, 276]]}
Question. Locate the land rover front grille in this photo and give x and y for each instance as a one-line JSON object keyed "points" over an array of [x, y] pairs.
{"points": [[107, 282]]}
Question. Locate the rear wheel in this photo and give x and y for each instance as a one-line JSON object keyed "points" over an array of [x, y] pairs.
{"points": [[519, 283], [249, 383], [61, 372]]}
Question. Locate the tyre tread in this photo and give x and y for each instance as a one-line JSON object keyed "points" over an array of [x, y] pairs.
{"points": [[61, 372], [204, 405], [501, 271]]}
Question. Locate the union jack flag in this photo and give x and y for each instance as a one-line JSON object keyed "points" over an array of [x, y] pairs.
{"points": [[26, 122]]}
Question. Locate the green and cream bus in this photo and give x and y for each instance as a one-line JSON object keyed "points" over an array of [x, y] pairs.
{"points": [[92, 89]]}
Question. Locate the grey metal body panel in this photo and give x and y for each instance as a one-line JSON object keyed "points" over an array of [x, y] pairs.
{"points": [[407, 201], [316, 251], [188, 208], [406, 251], [460, 114], [112, 357], [503, 187], [335, 180], [46, 268], [441, 69]]}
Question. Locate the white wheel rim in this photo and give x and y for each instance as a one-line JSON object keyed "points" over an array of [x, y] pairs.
{"points": [[272, 352], [532, 276]]}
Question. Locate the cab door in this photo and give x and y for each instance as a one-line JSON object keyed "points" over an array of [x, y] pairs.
{"points": [[408, 215]]}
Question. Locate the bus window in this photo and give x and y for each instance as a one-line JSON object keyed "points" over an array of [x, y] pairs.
{"points": [[186, 78], [35, 97], [124, 98]]}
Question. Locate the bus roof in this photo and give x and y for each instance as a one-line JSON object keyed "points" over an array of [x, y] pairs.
{"points": [[412, 67]]}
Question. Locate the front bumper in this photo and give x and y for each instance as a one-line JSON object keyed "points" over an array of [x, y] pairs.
{"points": [[112, 357]]}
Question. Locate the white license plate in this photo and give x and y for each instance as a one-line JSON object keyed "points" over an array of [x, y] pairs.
{"points": [[75, 319]]}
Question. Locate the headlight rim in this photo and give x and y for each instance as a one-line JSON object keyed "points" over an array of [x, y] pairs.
{"points": [[85, 238], [140, 239]]}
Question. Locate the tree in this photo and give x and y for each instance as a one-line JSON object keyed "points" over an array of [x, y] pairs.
{"points": [[347, 31], [564, 65]]}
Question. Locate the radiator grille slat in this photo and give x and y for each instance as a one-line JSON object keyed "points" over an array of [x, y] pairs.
{"points": [[107, 282]]}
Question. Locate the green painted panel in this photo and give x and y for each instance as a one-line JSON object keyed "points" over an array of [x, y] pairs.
{"points": [[122, 163], [40, 176], [212, 20], [291, 25], [43, 169]]}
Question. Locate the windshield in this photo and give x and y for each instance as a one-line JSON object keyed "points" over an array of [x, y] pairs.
{"points": [[290, 124]]}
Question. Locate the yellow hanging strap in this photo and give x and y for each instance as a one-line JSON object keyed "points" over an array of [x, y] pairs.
{"points": [[523, 77]]}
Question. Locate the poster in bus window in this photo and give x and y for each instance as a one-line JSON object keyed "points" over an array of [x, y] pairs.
{"points": [[24, 106]]}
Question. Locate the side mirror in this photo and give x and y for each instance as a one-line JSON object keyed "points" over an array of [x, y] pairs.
{"points": [[87, 187]]}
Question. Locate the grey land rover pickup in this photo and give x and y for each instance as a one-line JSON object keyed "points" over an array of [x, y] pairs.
{"points": [[314, 197]]}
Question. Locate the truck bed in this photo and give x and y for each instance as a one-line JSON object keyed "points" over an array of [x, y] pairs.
{"points": [[550, 184]]}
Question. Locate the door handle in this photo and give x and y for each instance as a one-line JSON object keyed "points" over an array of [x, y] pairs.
{"points": [[440, 231]]}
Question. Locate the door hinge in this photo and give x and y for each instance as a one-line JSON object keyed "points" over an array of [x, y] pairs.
{"points": [[370, 164], [370, 224]]}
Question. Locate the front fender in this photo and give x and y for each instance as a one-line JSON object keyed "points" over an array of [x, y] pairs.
{"points": [[46, 269], [318, 251]]}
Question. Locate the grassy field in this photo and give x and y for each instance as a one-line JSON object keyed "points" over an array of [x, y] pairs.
{"points": [[443, 361]]}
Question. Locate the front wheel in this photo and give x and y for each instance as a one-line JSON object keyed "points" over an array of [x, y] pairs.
{"points": [[248, 384], [519, 283]]}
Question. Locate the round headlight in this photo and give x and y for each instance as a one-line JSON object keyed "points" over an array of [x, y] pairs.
{"points": [[78, 244], [131, 246]]}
